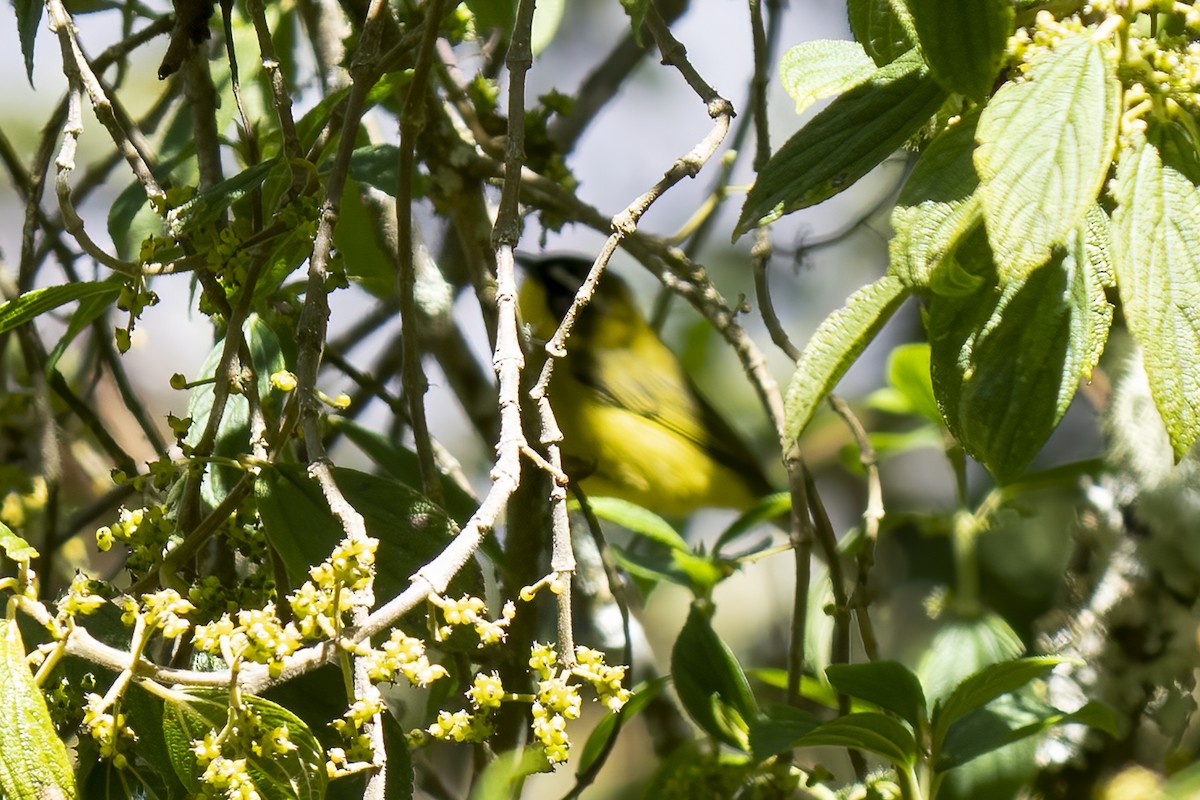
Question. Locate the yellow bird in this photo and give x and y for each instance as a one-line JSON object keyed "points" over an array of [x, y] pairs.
{"points": [[634, 425]]}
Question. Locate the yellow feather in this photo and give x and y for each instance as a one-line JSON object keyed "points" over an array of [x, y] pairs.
{"points": [[634, 426]]}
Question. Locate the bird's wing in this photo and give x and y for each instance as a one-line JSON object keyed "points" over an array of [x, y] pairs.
{"points": [[690, 416]]}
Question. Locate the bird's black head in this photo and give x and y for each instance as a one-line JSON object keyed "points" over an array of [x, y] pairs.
{"points": [[560, 275]]}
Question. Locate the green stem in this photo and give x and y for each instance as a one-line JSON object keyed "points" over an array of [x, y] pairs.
{"points": [[966, 566]]}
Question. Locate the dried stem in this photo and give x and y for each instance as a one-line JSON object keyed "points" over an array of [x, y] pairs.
{"points": [[412, 123], [860, 598]]}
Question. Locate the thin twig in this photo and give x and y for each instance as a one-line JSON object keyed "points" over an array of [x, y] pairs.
{"points": [[860, 597], [412, 123], [82, 79]]}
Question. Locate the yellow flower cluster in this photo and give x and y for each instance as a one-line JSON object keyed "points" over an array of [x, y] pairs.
{"points": [[555, 703], [341, 582], [164, 611], [405, 655], [258, 636], [469, 610], [79, 599], [110, 732]]}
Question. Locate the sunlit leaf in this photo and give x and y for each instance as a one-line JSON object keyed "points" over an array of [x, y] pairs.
{"points": [[836, 344], [823, 68], [33, 761], [844, 142], [1156, 249], [31, 304], [874, 733], [937, 206], [1045, 147]]}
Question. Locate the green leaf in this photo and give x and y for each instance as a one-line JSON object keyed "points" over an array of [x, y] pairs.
{"points": [[962, 647], [776, 728], [838, 341], [400, 462], [1045, 147], [775, 506], [823, 68], [376, 165], [29, 18], [1156, 249], [710, 682], [908, 371], [1006, 363], [27, 306], [638, 520], [547, 18], [844, 142], [874, 733], [1183, 785], [884, 27], [89, 310], [887, 684], [810, 688], [677, 566], [33, 761], [14, 547], [493, 15], [636, 9], [997, 725], [214, 202], [303, 531], [606, 728], [297, 774], [937, 207], [357, 239], [1091, 260], [986, 685], [963, 43], [503, 777]]}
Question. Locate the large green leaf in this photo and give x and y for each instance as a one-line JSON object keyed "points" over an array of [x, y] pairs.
{"points": [[874, 733], [997, 725], [836, 344], [823, 68], [883, 27], [845, 141], [887, 684], [297, 774], [33, 761], [963, 42], [1045, 147], [775, 730], [937, 207], [986, 685], [411, 530], [710, 682], [400, 462], [1006, 361], [24, 307], [1156, 249]]}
